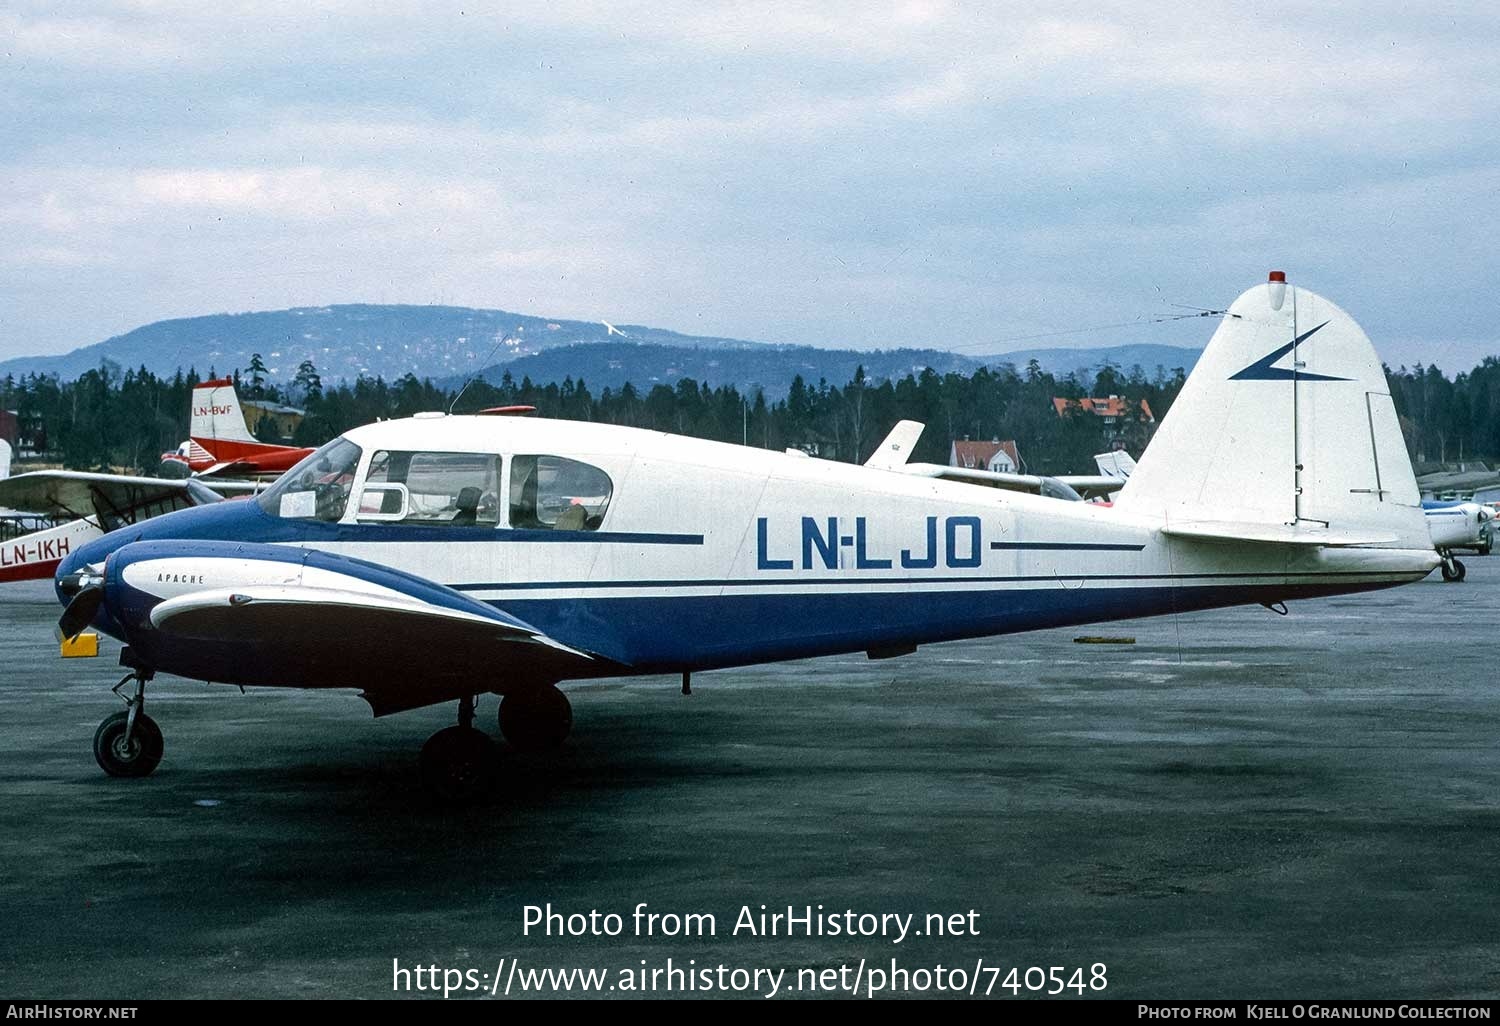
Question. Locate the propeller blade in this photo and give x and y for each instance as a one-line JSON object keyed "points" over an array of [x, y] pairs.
{"points": [[81, 611]]}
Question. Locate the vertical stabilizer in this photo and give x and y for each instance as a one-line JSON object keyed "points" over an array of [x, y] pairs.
{"points": [[1286, 420], [217, 415]]}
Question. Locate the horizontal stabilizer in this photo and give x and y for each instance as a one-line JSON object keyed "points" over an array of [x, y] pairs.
{"points": [[1274, 534]]}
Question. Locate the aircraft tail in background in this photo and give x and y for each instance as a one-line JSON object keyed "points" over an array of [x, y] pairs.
{"points": [[1284, 432], [217, 415], [219, 439], [1115, 463], [5, 454]]}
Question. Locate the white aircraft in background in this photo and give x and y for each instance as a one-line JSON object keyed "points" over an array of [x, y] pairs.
{"points": [[1459, 525], [66, 509], [438, 558], [1115, 464], [46, 514]]}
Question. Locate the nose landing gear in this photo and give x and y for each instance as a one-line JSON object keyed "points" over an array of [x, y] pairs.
{"points": [[129, 743]]}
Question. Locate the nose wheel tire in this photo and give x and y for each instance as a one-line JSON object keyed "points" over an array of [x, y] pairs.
{"points": [[135, 755], [1454, 570], [536, 720], [458, 765]]}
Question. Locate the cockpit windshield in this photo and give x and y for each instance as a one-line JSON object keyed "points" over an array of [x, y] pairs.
{"points": [[318, 487]]}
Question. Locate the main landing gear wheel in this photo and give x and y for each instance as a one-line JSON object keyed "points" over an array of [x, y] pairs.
{"points": [[458, 763], [1454, 570], [537, 719], [126, 750]]}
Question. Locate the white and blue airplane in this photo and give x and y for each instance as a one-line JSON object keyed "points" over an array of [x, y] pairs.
{"points": [[1458, 525], [439, 558]]}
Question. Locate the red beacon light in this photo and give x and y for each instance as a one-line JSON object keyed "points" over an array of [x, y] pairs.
{"points": [[1277, 285], [508, 411]]}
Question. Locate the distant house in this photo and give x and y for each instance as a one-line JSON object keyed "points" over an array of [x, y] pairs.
{"points": [[26, 435], [286, 418], [1109, 410], [1113, 416], [817, 444], [1000, 457]]}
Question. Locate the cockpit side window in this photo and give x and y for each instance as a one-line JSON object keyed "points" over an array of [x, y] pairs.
{"points": [[434, 489], [318, 487], [558, 494]]}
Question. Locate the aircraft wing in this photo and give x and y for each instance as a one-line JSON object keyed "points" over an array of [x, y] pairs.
{"points": [[1076, 487], [1092, 485], [75, 492], [1273, 534], [990, 478], [1036, 484], [399, 648]]}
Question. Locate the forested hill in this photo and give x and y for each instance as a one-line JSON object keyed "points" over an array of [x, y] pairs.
{"points": [[447, 343], [346, 342]]}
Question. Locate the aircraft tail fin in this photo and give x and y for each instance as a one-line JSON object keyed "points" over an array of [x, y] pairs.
{"points": [[897, 447], [1286, 420], [217, 415], [5, 454]]}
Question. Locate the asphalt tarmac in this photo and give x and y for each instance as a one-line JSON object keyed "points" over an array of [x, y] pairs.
{"points": [[1237, 805]]}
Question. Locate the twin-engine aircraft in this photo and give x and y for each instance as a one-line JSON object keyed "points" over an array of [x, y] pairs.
{"points": [[441, 557]]}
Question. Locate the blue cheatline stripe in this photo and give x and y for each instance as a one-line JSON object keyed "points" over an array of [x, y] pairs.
{"points": [[805, 582], [400, 533], [661, 633], [1069, 546]]}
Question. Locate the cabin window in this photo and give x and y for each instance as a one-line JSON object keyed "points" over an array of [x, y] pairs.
{"points": [[557, 494], [318, 487], [434, 489]]}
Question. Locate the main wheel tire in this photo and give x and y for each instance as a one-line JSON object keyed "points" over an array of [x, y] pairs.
{"points": [[1450, 570], [135, 757], [537, 719], [1459, 571], [458, 765]]}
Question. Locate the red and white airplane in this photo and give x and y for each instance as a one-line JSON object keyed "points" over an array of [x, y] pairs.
{"points": [[220, 442]]}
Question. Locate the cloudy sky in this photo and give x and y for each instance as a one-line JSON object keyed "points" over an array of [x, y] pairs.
{"points": [[869, 174]]}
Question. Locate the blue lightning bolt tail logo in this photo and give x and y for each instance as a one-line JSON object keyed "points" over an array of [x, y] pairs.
{"points": [[1261, 370]]}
